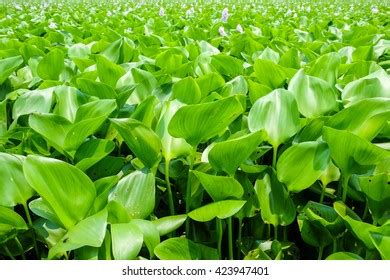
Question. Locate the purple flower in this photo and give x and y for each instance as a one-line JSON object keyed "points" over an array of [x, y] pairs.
{"points": [[221, 31], [225, 14], [161, 13], [239, 28]]}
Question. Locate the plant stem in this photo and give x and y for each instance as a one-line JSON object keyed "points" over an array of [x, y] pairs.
{"points": [[268, 231], [323, 188], [365, 211], [230, 237], [239, 238], [30, 223], [188, 189], [169, 189], [275, 232], [20, 247], [274, 155], [345, 181], [8, 252], [320, 251], [334, 245], [218, 226], [285, 233]]}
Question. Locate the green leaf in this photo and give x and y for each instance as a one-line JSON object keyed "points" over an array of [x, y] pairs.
{"points": [[228, 155], [136, 193], [210, 82], [351, 153], [42, 209], [360, 229], [277, 114], [8, 66], [221, 209], [326, 67], [88, 232], [109, 72], [220, 187], [365, 118], [376, 84], [344, 256], [314, 96], [92, 151], [302, 164], [324, 216], [3, 117], [145, 84], [49, 232], [276, 206], [36, 101], [10, 221], [127, 241], [66, 136], [180, 248], [52, 127], [68, 191], [171, 147], [142, 141], [271, 74], [98, 89], [313, 234], [382, 244], [103, 189], [14, 189], [51, 65], [200, 122], [145, 111], [169, 61], [168, 224], [227, 65], [151, 235], [377, 191], [187, 91]]}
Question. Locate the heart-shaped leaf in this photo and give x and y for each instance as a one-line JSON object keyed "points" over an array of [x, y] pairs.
{"points": [[168, 224], [198, 123], [88, 232], [308, 158], [314, 96], [220, 187], [365, 118], [8, 66], [276, 206], [14, 189], [136, 193], [68, 191], [142, 141], [351, 153], [127, 241], [51, 65], [221, 209], [228, 155], [180, 248], [277, 114], [171, 147]]}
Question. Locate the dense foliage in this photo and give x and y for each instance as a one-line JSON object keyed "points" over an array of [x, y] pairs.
{"points": [[194, 130]]}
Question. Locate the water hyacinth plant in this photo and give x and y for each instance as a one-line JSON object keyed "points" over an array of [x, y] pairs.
{"points": [[200, 130]]}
